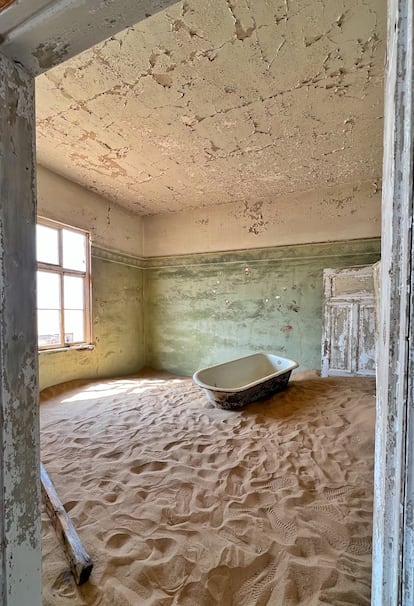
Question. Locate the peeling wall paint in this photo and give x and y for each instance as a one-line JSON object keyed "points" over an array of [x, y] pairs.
{"points": [[335, 213], [205, 309], [213, 102], [41, 33], [233, 302], [20, 557], [117, 326]]}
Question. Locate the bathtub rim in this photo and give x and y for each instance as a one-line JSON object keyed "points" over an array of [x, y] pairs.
{"points": [[293, 364]]}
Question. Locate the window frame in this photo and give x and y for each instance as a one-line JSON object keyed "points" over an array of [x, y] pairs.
{"points": [[60, 270]]}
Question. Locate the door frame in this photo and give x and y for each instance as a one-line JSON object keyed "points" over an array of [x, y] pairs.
{"points": [[393, 531]]}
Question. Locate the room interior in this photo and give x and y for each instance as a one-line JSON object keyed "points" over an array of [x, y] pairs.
{"points": [[190, 179], [214, 203], [179, 281]]}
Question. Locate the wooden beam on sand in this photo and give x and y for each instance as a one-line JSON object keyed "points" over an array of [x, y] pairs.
{"points": [[80, 562]]}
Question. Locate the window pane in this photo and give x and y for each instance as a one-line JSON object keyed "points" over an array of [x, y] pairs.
{"points": [[73, 292], [48, 327], [74, 250], [47, 245], [48, 290], [74, 331]]}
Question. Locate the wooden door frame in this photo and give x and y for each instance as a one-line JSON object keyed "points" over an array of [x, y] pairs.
{"points": [[393, 539]]}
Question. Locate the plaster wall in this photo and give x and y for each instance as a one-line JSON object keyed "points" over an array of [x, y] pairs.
{"points": [[111, 226], [117, 281], [184, 305], [117, 328], [336, 213], [205, 309]]}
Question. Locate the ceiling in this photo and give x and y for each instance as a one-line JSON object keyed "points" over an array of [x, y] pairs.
{"points": [[216, 101]]}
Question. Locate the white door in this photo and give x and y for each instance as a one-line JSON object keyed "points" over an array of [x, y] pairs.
{"points": [[348, 343]]}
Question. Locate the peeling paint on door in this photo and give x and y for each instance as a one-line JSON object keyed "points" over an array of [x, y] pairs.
{"points": [[348, 340]]}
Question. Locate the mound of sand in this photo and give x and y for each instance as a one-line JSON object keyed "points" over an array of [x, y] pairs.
{"points": [[180, 503]]}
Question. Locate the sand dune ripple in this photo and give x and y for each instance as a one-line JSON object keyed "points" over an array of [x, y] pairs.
{"points": [[180, 503]]}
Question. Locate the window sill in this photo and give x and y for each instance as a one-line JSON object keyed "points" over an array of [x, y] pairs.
{"points": [[83, 347]]}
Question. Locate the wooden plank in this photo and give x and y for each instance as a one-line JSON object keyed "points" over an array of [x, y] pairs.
{"points": [[80, 562]]}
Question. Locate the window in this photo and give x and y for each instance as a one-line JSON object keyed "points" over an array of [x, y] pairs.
{"points": [[63, 285]]}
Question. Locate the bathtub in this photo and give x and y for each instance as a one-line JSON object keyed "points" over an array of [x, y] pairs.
{"points": [[234, 384]]}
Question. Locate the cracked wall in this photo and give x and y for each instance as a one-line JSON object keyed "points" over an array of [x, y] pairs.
{"points": [[343, 212], [210, 103]]}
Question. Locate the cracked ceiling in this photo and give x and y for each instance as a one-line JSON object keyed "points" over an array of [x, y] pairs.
{"points": [[218, 101]]}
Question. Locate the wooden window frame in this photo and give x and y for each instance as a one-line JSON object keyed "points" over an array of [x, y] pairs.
{"points": [[61, 271]]}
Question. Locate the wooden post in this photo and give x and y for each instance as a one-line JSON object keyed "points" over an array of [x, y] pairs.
{"points": [[20, 558], [393, 561], [80, 562]]}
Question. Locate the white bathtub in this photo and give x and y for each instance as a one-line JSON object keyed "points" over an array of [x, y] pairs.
{"points": [[234, 384]]}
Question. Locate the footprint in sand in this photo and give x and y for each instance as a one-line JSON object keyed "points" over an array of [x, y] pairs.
{"points": [[252, 589], [336, 534], [285, 530], [360, 546], [257, 590], [183, 500], [117, 541], [328, 508], [337, 493], [125, 548], [283, 482]]}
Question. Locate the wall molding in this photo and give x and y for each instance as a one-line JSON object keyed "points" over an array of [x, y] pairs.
{"points": [[292, 252], [105, 254]]}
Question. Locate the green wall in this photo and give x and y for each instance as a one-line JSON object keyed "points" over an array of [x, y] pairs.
{"points": [[203, 309], [117, 325], [186, 312]]}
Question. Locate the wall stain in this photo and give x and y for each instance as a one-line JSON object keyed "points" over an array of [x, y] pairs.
{"points": [[51, 53], [201, 313]]}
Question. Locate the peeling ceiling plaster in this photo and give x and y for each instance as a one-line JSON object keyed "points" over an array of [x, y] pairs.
{"points": [[212, 102]]}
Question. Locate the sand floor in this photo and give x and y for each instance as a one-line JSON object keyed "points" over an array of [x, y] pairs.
{"points": [[180, 503]]}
